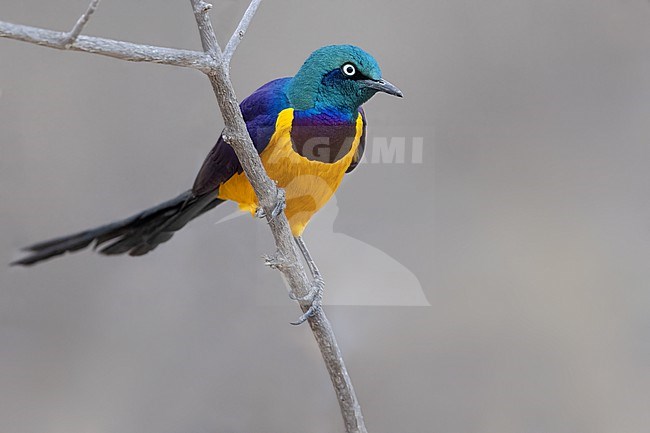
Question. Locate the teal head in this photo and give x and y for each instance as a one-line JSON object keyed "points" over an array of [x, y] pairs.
{"points": [[338, 76]]}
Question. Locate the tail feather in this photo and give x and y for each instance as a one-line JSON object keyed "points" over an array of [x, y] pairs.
{"points": [[136, 235]]}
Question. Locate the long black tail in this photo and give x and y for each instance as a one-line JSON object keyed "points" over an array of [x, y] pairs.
{"points": [[136, 235]]}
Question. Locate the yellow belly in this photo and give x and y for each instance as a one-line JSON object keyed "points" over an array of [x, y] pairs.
{"points": [[308, 184]]}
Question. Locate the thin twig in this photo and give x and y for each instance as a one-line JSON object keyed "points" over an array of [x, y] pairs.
{"points": [[81, 22], [108, 47], [208, 36], [239, 33]]}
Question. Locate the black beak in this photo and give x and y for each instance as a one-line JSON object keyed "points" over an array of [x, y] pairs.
{"points": [[383, 86]]}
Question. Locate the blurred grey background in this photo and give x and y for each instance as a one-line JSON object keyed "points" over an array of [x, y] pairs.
{"points": [[527, 226]]}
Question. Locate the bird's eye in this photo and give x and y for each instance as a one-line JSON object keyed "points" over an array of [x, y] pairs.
{"points": [[349, 69]]}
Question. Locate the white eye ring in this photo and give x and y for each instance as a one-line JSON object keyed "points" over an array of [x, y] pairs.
{"points": [[349, 69]]}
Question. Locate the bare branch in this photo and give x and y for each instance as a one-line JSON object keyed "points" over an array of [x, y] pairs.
{"points": [[108, 47], [238, 35], [81, 22], [215, 64], [329, 349], [208, 37], [268, 194], [236, 135]]}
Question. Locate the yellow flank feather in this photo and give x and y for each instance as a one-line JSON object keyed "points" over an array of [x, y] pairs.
{"points": [[308, 184]]}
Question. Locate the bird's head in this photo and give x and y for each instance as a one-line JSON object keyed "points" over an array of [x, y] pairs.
{"points": [[338, 76]]}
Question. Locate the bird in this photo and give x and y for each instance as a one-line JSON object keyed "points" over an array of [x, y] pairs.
{"points": [[309, 131]]}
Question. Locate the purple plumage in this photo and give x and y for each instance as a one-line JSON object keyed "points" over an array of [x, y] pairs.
{"points": [[321, 135], [260, 111], [325, 94]]}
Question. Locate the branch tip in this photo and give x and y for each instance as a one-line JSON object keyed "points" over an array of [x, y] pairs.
{"points": [[239, 33], [206, 32], [202, 7]]}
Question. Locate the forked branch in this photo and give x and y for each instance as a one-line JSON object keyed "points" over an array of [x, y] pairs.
{"points": [[81, 23], [108, 47], [215, 63]]}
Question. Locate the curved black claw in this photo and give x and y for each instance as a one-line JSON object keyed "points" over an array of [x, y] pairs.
{"points": [[315, 299]]}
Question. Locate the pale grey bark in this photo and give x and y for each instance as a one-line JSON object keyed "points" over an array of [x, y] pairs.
{"points": [[239, 33], [108, 47], [215, 64], [81, 23]]}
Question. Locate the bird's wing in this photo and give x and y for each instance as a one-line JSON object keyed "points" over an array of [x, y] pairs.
{"points": [[356, 158], [260, 111]]}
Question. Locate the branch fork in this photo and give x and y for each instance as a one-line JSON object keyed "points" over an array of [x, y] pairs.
{"points": [[73, 34], [215, 63]]}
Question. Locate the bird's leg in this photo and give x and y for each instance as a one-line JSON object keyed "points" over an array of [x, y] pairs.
{"points": [[310, 262], [315, 295]]}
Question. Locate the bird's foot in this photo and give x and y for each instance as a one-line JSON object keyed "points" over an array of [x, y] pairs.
{"points": [[280, 203], [259, 212], [314, 299], [278, 207]]}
